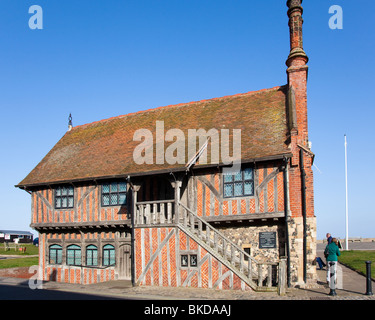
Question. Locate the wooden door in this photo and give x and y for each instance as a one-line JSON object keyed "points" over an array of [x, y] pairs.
{"points": [[125, 262]]}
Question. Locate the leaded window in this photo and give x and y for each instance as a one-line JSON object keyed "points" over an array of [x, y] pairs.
{"points": [[189, 260], [184, 260], [55, 254], [193, 260], [114, 194], [109, 255], [91, 255], [239, 184], [64, 197], [73, 255]]}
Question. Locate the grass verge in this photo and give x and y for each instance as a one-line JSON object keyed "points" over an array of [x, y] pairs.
{"points": [[25, 261], [356, 260], [19, 262], [30, 250]]}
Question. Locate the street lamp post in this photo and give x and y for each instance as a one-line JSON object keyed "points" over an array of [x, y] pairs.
{"points": [[346, 198]]}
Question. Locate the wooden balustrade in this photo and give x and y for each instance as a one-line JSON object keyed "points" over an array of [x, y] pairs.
{"points": [[154, 212]]}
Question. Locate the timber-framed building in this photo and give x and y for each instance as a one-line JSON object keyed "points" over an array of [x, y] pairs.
{"points": [[102, 216]]}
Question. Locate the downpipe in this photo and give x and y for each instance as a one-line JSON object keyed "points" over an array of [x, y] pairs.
{"points": [[287, 218], [303, 194]]}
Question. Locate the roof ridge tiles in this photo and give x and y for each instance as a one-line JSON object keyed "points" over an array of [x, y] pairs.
{"points": [[180, 105]]}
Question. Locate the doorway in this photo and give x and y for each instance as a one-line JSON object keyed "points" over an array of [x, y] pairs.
{"points": [[125, 262]]}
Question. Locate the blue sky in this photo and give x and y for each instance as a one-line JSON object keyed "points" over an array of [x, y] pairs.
{"points": [[98, 59]]}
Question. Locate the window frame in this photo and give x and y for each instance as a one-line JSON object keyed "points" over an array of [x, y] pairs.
{"points": [[58, 253], [62, 196], [193, 263], [94, 257], [189, 258], [74, 248], [111, 250], [183, 257], [243, 180], [118, 193], [247, 248]]}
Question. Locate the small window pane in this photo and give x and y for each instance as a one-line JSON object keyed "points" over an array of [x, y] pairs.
{"points": [[238, 189], [70, 191], [228, 190], [184, 260], [122, 199], [52, 256], [58, 202], [105, 258], [70, 202], [64, 191], [95, 258], [112, 260], [105, 188], [228, 178], [247, 250], [70, 257], [77, 261], [106, 199], [122, 186], [238, 176], [249, 188], [58, 191], [114, 187], [89, 257], [64, 202], [114, 199], [248, 174], [193, 260]]}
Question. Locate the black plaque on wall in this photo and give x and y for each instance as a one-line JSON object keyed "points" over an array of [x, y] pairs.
{"points": [[267, 240]]}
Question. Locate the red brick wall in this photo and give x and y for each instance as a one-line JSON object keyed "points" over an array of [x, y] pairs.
{"points": [[73, 274], [87, 207], [159, 264], [270, 199]]}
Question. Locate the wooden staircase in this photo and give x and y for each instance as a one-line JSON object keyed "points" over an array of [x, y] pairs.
{"points": [[270, 276], [259, 276]]}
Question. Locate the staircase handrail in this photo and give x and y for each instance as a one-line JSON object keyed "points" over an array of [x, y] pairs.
{"points": [[230, 242]]}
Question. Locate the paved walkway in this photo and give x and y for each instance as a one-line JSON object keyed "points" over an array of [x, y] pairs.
{"points": [[353, 288]]}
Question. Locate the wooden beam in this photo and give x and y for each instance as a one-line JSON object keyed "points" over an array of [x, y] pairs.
{"points": [[244, 217]]}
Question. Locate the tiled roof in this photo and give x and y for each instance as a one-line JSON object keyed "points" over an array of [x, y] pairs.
{"points": [[105, 148]]}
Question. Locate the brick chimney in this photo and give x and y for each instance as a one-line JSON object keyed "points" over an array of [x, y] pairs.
{"points": [[301, 221], [297, 70]]}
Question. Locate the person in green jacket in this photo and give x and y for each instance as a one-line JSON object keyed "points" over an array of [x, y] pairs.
{"points": [[331, 253]]}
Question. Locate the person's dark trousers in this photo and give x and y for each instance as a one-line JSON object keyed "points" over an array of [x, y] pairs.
{"points": [[320, 262]]}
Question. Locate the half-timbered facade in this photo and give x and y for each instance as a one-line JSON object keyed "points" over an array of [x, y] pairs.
{"points": [[103, 215]]}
